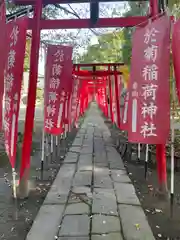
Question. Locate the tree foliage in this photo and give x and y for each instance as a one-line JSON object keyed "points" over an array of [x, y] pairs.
{"points": [[134, 10], [108, 49], [27, 54], [174, 6], [79, 38]]}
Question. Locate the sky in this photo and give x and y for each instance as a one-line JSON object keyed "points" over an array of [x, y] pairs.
{"points": [[105, 10], [93, 41]]}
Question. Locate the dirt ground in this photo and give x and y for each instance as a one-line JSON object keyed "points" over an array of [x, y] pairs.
{"points": [[156, 209], [16, 218]]}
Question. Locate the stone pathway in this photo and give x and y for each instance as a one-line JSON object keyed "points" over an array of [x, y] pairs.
{"points": [[92, 197]]}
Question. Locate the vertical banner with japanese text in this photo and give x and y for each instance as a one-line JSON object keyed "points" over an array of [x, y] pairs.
{"points": [[176, 54], [149, 98], [16, 42], [58, 86], [74, 100], [2, 11], [3, 53], [114, 99]]}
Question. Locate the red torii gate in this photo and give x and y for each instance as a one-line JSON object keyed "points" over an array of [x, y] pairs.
{"points": [[110, 70], [37, 24]]}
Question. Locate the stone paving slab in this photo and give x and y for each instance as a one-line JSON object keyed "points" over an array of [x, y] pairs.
{"points": [[110, 236], [101, 171], [80, 194], [104, 202], [126, 193], [81, 190], [56, 198], [71, 157], [130, 216], [75, 225], [105, 224], [75, 149], [59, 191], [73, 238], [78, 142], [82, 178], [100, 156], [121, 178], [77, 208], [101, 164], [46, 224], [85, 162], [102, 181], [83, 166]]}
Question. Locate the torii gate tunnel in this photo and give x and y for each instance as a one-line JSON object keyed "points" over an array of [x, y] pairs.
{"points": [[37, 24]]}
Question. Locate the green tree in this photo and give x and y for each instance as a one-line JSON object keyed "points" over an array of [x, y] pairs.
{"points": [[27, 54], [108, 49], [134, 10], [174, 6]]}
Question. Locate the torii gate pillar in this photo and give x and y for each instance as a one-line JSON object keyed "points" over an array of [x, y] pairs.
{"points": [[29, 121], [160, 148]]}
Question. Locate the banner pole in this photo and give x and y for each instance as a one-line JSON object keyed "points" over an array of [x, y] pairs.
{"points": [[42, 150], [47, 147], [14, 183], [172, 148], [52, 147], [146, 161], [139, 152], [56, 141]]}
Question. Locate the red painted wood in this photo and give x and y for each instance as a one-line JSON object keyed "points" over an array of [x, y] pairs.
{"points": [[86, 23], [29, 121], [32, 2]]}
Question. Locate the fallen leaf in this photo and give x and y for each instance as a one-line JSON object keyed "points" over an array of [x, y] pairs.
{"points": [[137, 225]]}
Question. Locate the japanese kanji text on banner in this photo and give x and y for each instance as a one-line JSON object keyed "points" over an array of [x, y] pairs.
{"points": [[149, 101], [74, 100], [176, 55], [3, 52], [58, 86], [16, 42]]}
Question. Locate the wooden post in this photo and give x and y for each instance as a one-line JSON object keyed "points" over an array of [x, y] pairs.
{"points": [[161, 167], [110, 96], [29, 121], [117, 97]]}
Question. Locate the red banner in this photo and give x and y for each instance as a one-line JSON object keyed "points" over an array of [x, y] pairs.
{"points": [[58, 86], [83, 94], [74, 100], [3, 52], [16, 42], [176, 55], [2, 11], [149, 100], [114, 99]]}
